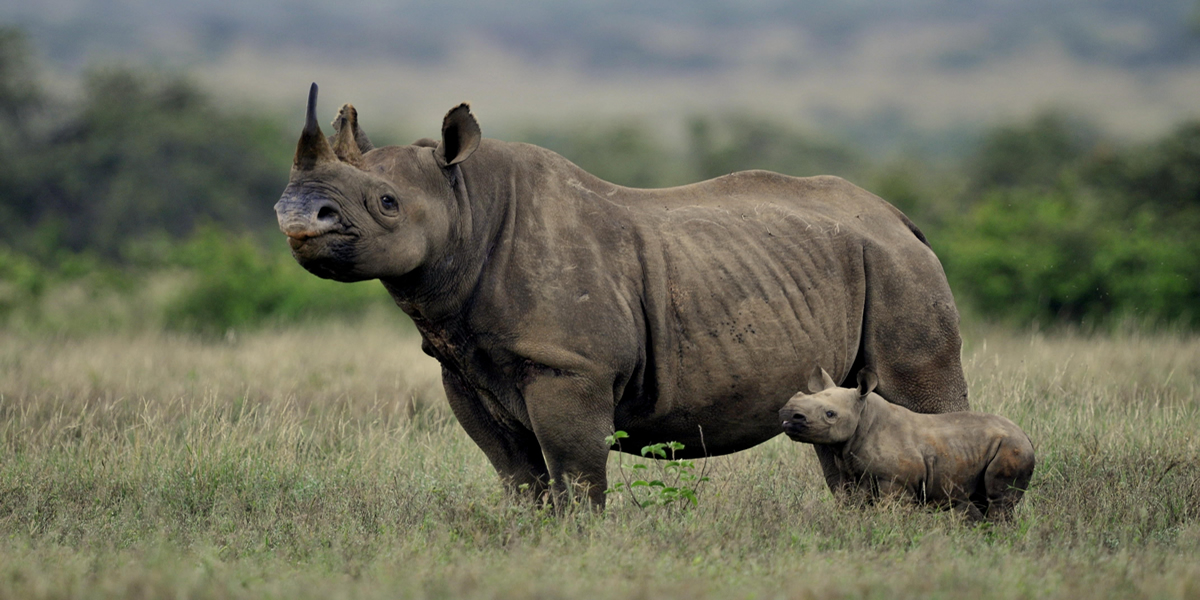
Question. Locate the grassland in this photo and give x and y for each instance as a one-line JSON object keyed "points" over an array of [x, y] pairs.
{"points": [[322, 462]]}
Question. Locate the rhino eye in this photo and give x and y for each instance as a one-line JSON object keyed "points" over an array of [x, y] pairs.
{"points": [[388, 201], [829, 414]]}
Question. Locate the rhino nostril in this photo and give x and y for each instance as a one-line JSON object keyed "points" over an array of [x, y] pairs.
{"points": [[798, 417], [327, 213]]}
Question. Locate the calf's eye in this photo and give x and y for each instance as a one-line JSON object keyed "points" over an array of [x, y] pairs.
{"points": [[388, 201], [829, 414]]}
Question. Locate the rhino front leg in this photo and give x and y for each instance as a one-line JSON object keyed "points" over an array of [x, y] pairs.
{"points": [[571, 416], [834, 478], [513, 451]]}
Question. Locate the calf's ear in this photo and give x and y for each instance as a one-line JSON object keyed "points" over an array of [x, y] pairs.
{"points": [[460, 136], [866, 382]]}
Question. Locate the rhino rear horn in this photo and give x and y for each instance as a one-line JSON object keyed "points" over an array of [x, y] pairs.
{"points": [[345, 146], [460, 136], [313, 149], [349, 115]]}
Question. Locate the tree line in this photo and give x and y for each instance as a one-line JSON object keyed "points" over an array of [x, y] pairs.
{"points": [[1047, 220]]}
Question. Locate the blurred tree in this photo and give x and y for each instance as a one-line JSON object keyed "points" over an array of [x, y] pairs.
{"points": [[236, 283], [21, 100], [20, 95], [1036, 154], [1166, 175], [141, 155], [736, 143], [1060, 225], [1026, 255], [625, 153]]}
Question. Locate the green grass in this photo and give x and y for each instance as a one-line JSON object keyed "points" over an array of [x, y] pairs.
{"points": [[321, 461]]}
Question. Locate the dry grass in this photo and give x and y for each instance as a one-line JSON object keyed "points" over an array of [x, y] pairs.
{"points": [[322, 462]]}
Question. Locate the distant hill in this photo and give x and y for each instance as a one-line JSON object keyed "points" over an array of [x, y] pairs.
{"points": [[1134, 65], [666, 35]]}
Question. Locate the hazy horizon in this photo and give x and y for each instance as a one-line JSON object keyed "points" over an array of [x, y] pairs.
{"points": [[868, 72]]}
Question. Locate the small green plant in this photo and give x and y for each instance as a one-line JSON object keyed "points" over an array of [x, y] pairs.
{"points": [[676, 481]]}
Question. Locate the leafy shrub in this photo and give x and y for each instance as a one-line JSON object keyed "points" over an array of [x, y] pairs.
{"points": [[236, 284], [1062, 256], [138, 154], [676, 479], [22, 282]]}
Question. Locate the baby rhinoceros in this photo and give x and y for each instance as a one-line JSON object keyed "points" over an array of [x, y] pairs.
{"points": [[973, 462]]}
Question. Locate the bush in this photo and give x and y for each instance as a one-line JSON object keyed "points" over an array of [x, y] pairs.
{"points": [[21, 282], [737, 143], [1081, 246], [236, 284], [138, 155]]}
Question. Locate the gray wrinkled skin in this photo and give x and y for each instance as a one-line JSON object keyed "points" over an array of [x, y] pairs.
{"points": [[977, 463], [562, 307]]}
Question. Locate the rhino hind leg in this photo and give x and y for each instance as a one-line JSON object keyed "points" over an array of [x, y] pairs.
{"points": [[910, 335]]}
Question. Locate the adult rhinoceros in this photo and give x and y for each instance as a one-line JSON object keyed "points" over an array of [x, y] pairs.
{"points": [[562, 307]]}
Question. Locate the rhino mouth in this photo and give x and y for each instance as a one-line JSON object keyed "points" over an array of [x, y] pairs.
{"points": [[303, 240], [328, 255], [796, 431]]}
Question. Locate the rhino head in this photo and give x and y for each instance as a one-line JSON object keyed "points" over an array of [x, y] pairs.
{"points": [[829, 414], [353, 212]]}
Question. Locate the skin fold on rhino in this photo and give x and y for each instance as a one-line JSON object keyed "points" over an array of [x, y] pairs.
{"points": [[563, 307]]}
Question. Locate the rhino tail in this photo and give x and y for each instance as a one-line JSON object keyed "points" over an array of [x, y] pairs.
{"points": [[915, 230]]}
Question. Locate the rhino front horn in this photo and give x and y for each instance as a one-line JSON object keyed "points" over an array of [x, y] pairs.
{"points": [[313, 149]]}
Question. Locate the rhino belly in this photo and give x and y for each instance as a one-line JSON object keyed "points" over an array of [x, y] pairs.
{"points": [[746, 313]]}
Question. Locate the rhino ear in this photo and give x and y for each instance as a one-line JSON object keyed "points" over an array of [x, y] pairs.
{"points": [[460, 136], [866, 382], [819, 381], [313, 149], [345, 146]]}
